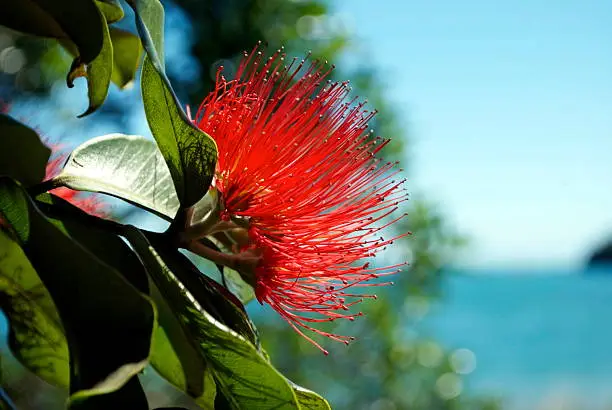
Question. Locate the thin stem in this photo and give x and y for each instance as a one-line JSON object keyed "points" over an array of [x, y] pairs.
{"points": [[6, 400], [44, 186], [204, 229], [217, 257], [244, 263]]}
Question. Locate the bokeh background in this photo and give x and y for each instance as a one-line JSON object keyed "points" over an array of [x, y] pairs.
{"points": [[501, 114]]}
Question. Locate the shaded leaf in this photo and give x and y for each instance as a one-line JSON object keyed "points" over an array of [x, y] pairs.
{"points": [[177, 360], [191, 154], [181, 362], [98, 72], [22, 155], [28, 17], [36, 336], [127, 53], [231, 279], [212, 297], [111, 9], [108, 322], [77, 20], [112, 250], [242, 374], [234, 282], [170, 408], [309, 400], [107, 246], [129, 167], [150, 24]]}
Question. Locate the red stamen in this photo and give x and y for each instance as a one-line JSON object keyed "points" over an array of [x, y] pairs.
{"points": [[297, 159]]}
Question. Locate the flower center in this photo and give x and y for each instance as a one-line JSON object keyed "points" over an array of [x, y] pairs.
{"points": [[209, 219]]}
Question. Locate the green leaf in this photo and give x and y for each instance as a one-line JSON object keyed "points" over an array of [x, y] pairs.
{"points": [[127, 52], [309, 400], [171, 408], [150, 24], [212, 297], [177, 360], [108, 323], [234, 282], [112, 250], [22, 155], [28, 17], [243, 376], [117, 60], [191, 154], [85, 229], [231, 278], [129, 167], [77, 20], [182, 363], [111, 9], [98, 72], [81, 26], [36, 336]]}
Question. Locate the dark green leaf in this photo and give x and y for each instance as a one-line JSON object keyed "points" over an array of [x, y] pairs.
{"points": [[171, 408], [177, 360], [36, 336], [117, 60], [191, 154], [243, 375], [111, 9], [127, 53], [108, 323], [309, 400], [129, 167], [86, 230], [117, 254], [98, 72], [174, 356], [231, 278], [211, 296], [28, 17], [150, 24], [77, 20], [22, 155]]}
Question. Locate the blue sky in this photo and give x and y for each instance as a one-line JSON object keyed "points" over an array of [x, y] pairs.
{"points": [[509, 107]]}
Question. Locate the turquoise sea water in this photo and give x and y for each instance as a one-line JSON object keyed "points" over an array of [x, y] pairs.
{"points": [[543, 341]]}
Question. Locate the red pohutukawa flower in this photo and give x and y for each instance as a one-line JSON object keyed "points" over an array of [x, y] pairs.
{"points": [[298, 167]]}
